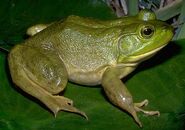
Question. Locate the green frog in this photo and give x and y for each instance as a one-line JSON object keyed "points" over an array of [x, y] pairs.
{"points": [[89, 52]]}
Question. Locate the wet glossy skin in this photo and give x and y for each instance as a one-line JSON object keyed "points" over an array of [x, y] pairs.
{"points": [[87, 52]]}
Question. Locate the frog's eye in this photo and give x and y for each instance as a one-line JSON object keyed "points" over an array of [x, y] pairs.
{"points": [[147, 32]]}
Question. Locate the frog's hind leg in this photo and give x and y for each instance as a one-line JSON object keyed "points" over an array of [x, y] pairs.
{"points": [[30, 75]]}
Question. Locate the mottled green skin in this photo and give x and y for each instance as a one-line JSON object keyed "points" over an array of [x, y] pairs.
{"points": [[89, 52]]}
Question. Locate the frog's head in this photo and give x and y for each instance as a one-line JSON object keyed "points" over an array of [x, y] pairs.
{"points": [[143, 37]]}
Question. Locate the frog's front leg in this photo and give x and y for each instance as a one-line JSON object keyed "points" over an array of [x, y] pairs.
{"points": [[119, 95], [42, 76]]}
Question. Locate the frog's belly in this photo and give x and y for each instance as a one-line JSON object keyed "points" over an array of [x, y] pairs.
{"points": [[86, 78]]}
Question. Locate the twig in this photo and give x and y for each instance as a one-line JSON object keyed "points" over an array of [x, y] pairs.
{"points": [[124, 5], [3, 49], [172, 9], [161, 4], [119, 6]]}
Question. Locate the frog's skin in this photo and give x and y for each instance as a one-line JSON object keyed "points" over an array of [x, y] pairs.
{"points": [[87, 52]]}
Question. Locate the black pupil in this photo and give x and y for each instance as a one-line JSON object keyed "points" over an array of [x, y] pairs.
{"points": [[147, 31]]}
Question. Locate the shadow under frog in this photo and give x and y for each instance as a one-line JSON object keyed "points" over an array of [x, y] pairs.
{"points": [[88, 52]]}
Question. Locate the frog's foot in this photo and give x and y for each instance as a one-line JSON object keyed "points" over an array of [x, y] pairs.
{"points": [[138, 106], [62, 103], [36, 28]]}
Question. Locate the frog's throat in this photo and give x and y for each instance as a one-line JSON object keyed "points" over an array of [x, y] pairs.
{"points": [[136, 59]]}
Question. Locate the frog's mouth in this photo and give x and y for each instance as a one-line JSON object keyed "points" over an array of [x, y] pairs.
{"points": [[135, 59]]}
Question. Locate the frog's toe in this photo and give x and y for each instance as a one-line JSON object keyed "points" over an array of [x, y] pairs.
{"points": [[150, 113], [65, 104], [134, 114], [141, 104], [138, 106]]}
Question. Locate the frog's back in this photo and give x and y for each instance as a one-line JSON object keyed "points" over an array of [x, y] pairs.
{"points": [[80, 46], [85, 50]]}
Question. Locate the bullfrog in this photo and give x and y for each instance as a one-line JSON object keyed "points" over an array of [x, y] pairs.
{"points": [[88, 52]]}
